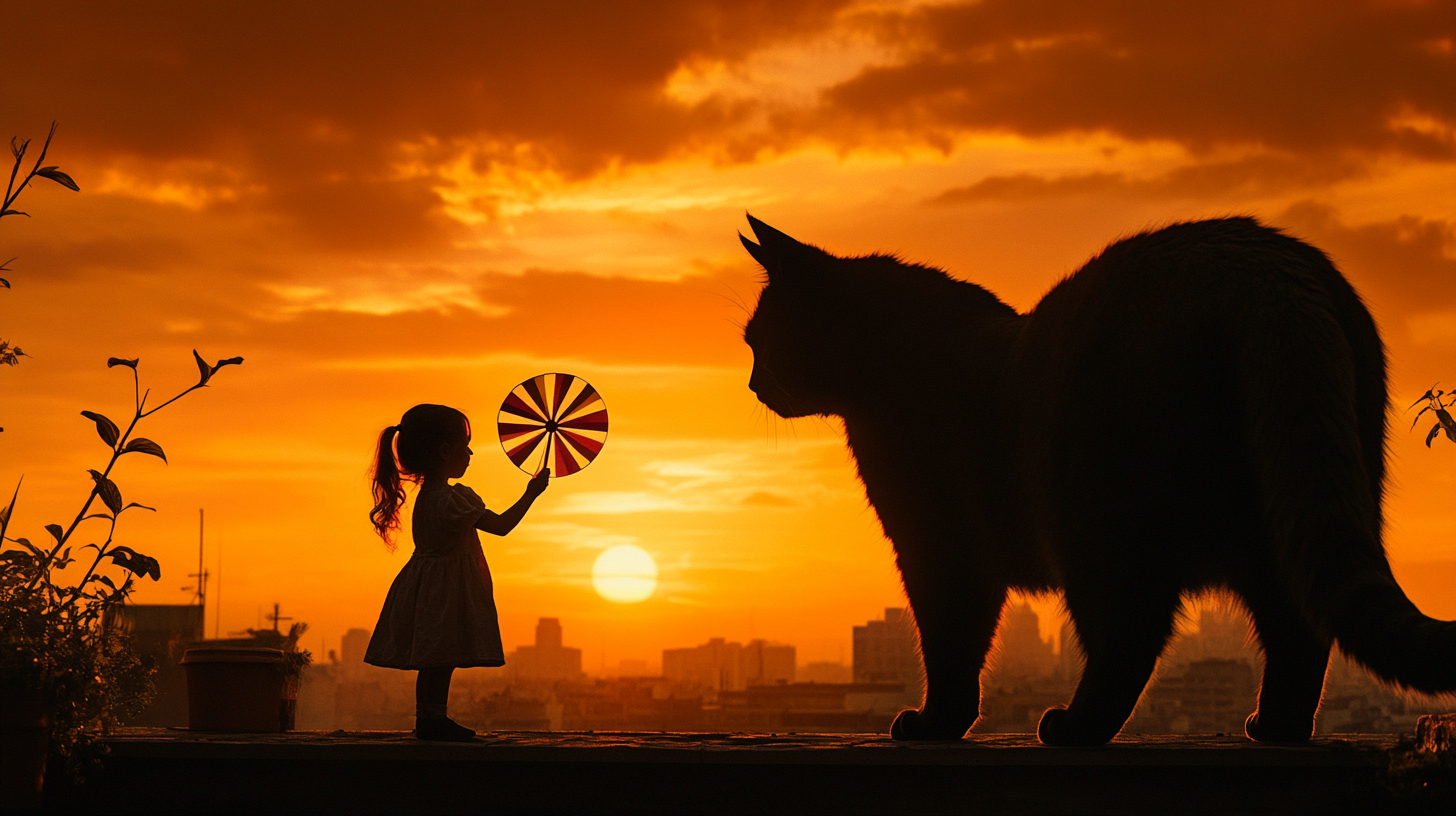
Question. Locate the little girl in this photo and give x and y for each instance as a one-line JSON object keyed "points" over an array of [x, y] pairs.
{"points": [[440, 611]]}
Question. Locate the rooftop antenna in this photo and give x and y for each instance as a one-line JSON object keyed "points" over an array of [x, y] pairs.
{"points": [[275, 617], [201, 575], [217, 623]]}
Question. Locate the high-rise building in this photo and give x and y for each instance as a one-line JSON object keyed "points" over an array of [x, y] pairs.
{"points": [[547, 660], [1022, 654], [725, 666], [888, 651], [825, 671], [352, 647], [162, 633]]}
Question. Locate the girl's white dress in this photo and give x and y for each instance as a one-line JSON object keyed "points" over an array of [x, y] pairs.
{"points": [[440, 611]]}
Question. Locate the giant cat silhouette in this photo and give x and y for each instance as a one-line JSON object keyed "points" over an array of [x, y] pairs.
{"points": [[1198, 407]]}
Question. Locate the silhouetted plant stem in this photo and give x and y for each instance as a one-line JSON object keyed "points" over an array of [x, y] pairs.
{"points": [[11, 354], [120, 444]]}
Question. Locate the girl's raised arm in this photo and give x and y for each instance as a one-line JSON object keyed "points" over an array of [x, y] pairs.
{"points": [[502, 523]]}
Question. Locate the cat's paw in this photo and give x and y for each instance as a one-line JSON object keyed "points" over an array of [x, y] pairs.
{"points": [[1057, 727], [915, 725], [1283, 732]]}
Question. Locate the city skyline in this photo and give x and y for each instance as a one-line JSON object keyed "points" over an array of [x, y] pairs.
{"points": [[378, 209]]}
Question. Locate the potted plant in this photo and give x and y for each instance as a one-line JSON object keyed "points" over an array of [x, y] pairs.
{"points": [[295, 660], [246, 686], [66, 676]]}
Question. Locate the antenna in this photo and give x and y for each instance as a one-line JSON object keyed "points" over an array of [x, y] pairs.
{"points": [[201, 575], [275, 617], [217, 623]]}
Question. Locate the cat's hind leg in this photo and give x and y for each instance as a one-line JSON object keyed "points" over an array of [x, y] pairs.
{"points": [[1122, 635], [956, 624], [1295, 659]]}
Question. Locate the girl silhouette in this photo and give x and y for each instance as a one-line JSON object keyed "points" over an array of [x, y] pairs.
{"points": [[440, 611]]}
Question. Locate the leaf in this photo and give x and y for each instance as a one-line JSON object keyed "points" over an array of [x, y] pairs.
{"points": [[130, 505], [1424, 397], [108, 491], [1418, 415], [127, 558], [56, 530], [1435, 429], [113, 362], [4, 283], [25, 542], [1448, 424], [143, 445], [55, 174], [107, 429], [14, 212], [103, 579], [229, 361], [202, 368], [98, 515]]}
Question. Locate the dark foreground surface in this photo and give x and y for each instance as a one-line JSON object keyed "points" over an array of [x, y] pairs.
{"points": [[175, 771]]}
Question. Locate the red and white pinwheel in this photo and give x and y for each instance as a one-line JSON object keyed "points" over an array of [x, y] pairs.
{"points": [[555, 420]]}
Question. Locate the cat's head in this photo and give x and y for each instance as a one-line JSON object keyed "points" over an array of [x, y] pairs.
{"points": [[802, 332]]}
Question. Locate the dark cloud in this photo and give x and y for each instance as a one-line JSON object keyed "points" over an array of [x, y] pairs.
{"points": [[1401, 267], [1250, 176], [312, 101], [1287, 76]]}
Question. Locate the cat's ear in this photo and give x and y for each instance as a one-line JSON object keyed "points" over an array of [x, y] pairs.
{"points": [[777, 243], [773, 248], [759, 253]]}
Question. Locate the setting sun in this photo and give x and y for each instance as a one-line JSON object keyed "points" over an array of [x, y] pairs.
{"points": [[625, 574]]}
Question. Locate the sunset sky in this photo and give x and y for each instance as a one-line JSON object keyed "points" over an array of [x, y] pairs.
{"points": [[383, 204]]}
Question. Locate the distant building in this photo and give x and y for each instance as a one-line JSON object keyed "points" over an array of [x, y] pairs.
{"points": [[1223, 634], [768, 664], [809, 708], [634, 668], [888, 651], [352, 647], [161, 633], [1022, 654], [547, 660], [722, 666], [825, 672], [1211, 696]]}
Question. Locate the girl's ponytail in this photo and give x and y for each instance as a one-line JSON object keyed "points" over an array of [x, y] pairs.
{"points": [[386, 487]]}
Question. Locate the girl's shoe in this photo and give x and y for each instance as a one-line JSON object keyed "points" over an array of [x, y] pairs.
{"points": [[442, 729]]}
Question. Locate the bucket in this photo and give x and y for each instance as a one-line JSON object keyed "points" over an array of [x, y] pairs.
{"points": [[237, 690]]}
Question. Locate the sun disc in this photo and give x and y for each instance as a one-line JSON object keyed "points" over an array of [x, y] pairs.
{"points": [[624, 574]]}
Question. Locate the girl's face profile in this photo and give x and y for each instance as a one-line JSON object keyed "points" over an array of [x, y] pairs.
{"points": [[457, 458]]}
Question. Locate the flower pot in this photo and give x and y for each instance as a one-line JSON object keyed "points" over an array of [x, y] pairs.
{"points": [[238, 690], [25, 736]]}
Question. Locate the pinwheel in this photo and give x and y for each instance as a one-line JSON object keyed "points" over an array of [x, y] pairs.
{"points": [[553, 415]]}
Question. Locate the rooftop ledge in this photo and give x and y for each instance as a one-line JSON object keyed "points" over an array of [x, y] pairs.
{"points": [[159, 770]]}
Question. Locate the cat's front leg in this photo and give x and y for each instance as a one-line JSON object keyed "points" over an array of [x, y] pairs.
{"points": [[957, 622]]}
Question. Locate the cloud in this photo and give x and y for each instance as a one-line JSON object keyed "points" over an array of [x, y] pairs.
{"points": [[313, 103], [763, 498], [1247, 177], [1374, 77]]}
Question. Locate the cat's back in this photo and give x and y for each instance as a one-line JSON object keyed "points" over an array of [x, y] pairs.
{"points": [[1195, 265]]}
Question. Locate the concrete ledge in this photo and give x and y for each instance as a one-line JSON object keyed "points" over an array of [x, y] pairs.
{"points": [[174, 771]]}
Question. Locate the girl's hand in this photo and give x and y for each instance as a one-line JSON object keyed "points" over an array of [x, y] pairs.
{"points": [[538, 483]]}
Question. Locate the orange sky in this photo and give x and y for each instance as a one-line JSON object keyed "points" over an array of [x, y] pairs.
{"points": [[381, 205]]}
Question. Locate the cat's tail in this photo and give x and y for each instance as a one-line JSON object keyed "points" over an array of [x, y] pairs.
{"points": [[1316, 399]]}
